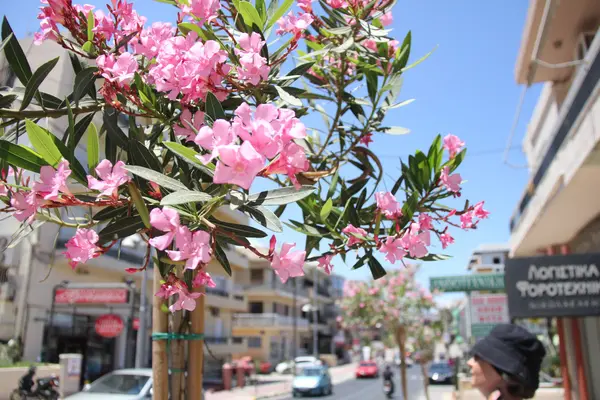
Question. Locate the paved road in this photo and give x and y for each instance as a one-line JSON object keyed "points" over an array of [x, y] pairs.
{"points": [[372, 389]]}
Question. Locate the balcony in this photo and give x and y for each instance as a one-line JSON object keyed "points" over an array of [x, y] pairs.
{"points": [[276, 287], [226, 346], [265, 321], [222, 297]]}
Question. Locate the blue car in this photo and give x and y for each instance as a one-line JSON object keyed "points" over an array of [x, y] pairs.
{"points": [[313, 380]]}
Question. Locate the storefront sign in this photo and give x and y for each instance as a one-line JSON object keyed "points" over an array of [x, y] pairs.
{"points": [[487, 310], [136, 324], [553, 286], [109, 325], [91, 296], [467, 283]]}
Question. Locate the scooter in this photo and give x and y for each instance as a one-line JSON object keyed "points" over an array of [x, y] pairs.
{"points": [[388, 388], [45, 389]]}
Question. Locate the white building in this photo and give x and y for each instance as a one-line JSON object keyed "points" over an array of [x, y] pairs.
{"points": [[559, 211], [488, 258]]}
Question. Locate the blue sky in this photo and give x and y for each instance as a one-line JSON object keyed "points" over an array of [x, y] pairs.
{"points": [[466, 88]]}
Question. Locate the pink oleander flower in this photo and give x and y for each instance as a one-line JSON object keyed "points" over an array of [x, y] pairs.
{"points": [[48, 30], [393, 249], [129, 20], [416, 242], [451, 182], [238, 165], [362, 305], [53, 181], [352, 240], [204, 10], [366, 139], [26, 205], [203, 278], [446, 239], [337, 3], [305, 5], [110, 178], [213, 139], [479, 212], [151, 39], [194, 248], [466, 220], [370, 44], [291, 161], [104, 25], [387, 18], [288, 264], [388, 205], [295, 25], [191, 124], [453, 144], [254, 67], [425, 221], [82, 247], [120, 70], [166, 290], [165, 220], [325, 263], [185, 299]]}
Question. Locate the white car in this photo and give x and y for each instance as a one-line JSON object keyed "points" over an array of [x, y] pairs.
{"points": [[123, 384], [287, 367]]}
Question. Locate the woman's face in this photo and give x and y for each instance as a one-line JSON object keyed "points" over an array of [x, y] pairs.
{"points": [[484, 377]]}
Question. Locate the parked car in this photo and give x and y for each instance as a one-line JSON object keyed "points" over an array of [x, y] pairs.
{"points": [[312, 380], [367, 369], [287, 367], [409, 362], [441, 372]]}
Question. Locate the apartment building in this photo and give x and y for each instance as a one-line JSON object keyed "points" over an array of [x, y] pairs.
{"points": [[559, 211], [488, 258]]}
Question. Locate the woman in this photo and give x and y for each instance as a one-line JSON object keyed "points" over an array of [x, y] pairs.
{"points": [[506, 363]]}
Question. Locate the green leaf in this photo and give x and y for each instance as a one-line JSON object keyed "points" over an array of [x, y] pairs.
{"points": [[264, 216], [156, 177], [213, 107], [372, 85], [90, 26], [419, 61], [36, 80], [344, 47], [396, 130], [21, 156], [283, 8], [7, 100], [222, 258], [84, 82], [457, 160], [88, 47], [339, 31], [189, 155], [398, 105], [78, 131], [140, 205], [250, 15], [93, 147], [23, 232], [296, 73], [184, 197], [326, 210], [14, 54], [333, 183], [43, 143], [280, 196], [403, 53], [113, 130], [240, 230], [186, 27], [361, 261], [262, 10], [376, 268], [121, 228], [306, 229], [110, 213], [288, 98], [143, 156], [5, 41], [431, 257]]}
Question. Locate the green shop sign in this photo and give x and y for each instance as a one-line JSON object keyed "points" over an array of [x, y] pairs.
{"points": [[467, 283]]}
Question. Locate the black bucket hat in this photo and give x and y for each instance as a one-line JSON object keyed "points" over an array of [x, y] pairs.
{"points": [[513, 350]]}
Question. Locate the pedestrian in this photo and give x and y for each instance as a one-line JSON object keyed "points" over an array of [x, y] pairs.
{"points": [[506, 363]]}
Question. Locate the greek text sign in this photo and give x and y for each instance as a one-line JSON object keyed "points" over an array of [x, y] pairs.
{"points": [[487, 310], [553, 286], [467, 283], [91, 296]]}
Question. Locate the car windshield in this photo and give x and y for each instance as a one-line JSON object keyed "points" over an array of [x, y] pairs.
{"points": [[311, 372], [439, 367], [368, 364], [119, 384]]}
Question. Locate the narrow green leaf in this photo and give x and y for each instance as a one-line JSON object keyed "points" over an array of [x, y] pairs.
{"points": [[398, 105], [121, 228], [250, 15], [70, 122], [140, 205], [376, 268], [156, 177], [213, 107], [419, 61], [143, 156], [36, 80], [88, 47], [396, 130], [326, 210], [84, 81], [280, 196], [22, 233], [186, 27], [264, 216], [189, 155], [90, 26], [222, 258], [5, 41], [80, 128], [288, 98], [21, 156], [240, 230], [43, 143], [262, 10], [93, 148], [281, 11], [333, 183], [372, 85], [113, 130], [7, 100], [185, 197], [14, 54], [361, 261], [344, 47], [110, 213]]}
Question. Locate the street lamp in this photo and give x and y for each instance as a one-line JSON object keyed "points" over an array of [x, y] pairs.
{"points": [[308, 308]]}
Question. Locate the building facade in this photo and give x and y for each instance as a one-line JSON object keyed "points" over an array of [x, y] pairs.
{"points": [[559, 209]]}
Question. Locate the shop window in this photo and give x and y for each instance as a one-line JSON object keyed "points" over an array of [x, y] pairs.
{"points": [[215, 312], [254, 342], [256, 276], [256, 307]]}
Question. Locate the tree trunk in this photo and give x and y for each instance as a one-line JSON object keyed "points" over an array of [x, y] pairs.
{"points": [[177, 360], [160, 365], [196, 350], [425, 379], [401, 339]]}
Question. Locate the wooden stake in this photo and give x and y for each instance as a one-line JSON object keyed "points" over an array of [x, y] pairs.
{"points": [[196, 350], [177, 360], [401, 339], [160, 365]]}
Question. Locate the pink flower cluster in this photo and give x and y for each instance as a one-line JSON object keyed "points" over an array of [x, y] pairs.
{"points": [[151, 39], [288, 264], [200, 11], [82, 247], [296, 25], [185, 299], [120, 69], [388, 205], [254, 67], [189, 67]]}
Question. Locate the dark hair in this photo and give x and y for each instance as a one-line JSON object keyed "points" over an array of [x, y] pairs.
{"points": [[515, 387]]}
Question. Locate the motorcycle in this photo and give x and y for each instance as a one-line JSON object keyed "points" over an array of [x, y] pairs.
{"points": [[388, 388], [45, 389]]}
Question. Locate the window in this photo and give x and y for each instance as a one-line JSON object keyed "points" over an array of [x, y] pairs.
{"points": [[286, 310], [256, 275], [215, 312], [256, 307], [254, 342], [496, 260], [275, 308]]}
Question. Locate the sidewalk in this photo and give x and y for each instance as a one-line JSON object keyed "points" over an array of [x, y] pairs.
{"points": [[284, 385]]}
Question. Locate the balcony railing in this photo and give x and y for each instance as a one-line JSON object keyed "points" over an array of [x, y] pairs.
{"points": [[266, 320], [222, 292]]}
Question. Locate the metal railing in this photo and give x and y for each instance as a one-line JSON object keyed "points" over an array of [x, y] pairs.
{"points": [[266, 320]]}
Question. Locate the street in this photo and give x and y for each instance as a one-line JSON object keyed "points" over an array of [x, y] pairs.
{"points": [[372, 389]]}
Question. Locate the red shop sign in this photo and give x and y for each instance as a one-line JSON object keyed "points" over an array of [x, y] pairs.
{"points": [[109, 325], [91, 296], [136, 324]]}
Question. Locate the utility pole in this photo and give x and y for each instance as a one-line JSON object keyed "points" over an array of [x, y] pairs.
{"points": [[314, 309], [26, 249], [142, 333]]}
